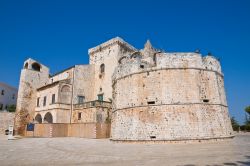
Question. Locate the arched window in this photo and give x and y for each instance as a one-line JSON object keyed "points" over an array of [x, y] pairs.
{"points": [[65, 88], [26, 65], [36, 66], [102, 68], [65, 94], [122, 59]]}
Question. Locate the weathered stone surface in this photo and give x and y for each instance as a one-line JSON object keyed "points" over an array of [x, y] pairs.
{"points": [[155, 95], [6, 119], [181, 97], [33, 76]]}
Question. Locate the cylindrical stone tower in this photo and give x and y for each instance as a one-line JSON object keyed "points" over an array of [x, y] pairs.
{"points": [[169, 97]]}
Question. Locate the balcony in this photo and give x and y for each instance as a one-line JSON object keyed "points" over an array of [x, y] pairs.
{"points": [[53, 106], [96, 103]]}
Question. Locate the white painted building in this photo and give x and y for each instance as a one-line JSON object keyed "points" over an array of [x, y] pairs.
{"points": [[8, 96]]}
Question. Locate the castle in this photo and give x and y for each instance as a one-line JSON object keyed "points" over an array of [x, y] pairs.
{"points": [[146, 94]]}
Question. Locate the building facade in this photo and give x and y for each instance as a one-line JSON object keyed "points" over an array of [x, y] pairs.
{"points": [[154, 95], [8, 96], [79, 94]]}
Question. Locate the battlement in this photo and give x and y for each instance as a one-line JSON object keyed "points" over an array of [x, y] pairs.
{"points": [[138, 63], [116, 40]]}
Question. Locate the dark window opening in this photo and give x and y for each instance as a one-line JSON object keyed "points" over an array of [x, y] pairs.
{"points": [[53, 99], [151, 102], [26, 65], [142, 66], [81, 99], [92, 103], [36, 66], [37, 101], [1, 106], [100, 97], [44, 101], [205, 100], [79, 115], [154, 58], [152, 137], [13, 96], [2, 92], [102, 68]]}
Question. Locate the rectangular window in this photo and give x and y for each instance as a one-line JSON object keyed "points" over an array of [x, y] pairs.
{"points": [[53, 99], [1, 106], [81, 99], [13, 96], [2, 92], [44, 101], [79, 115], [100, 97], [38, 101], [205, 100], [151, 102]]}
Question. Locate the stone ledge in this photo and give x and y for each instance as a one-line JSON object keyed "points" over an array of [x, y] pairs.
{"points": [[204, 140], [159, 69], [158, 105]]}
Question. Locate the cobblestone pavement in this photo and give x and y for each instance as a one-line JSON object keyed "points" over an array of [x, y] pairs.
{"points": [[80, 151]]}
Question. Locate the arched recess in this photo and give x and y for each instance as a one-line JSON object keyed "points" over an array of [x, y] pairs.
{"points": [[136, 54], [38, 118], [65, 94], [65, 88], [48, 118], [26, 65], [35, 66], [102, 68], [122, 59]]}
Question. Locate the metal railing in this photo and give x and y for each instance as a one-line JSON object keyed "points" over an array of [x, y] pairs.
{"points": [[95, 103]]}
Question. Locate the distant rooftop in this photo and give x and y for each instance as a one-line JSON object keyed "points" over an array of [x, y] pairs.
{"points": [[8, 86]]}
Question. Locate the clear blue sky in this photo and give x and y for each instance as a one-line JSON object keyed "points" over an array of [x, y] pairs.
{"points": [[59, 33]]}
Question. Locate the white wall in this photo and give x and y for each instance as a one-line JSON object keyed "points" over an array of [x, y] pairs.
{"points": [[9, 97]]}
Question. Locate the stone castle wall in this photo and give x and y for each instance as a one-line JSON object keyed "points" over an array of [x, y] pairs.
{"points": [[6, 119], [30, 80], [155, 95], [83, 82], [108, 54], [180, 96]]}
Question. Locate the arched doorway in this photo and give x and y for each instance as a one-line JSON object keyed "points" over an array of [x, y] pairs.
{"points": [[38, 118], [48, 118]]}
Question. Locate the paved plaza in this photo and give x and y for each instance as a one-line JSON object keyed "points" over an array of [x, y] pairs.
{"points": [[80, 151]]}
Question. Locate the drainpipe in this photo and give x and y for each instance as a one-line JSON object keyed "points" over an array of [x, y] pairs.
{"points": [[72, 93]]}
